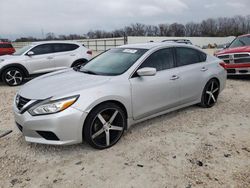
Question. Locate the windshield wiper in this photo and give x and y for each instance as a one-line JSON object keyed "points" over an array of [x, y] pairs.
{"points": [[88, 71]]}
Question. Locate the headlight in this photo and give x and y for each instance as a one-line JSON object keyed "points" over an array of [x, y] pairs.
{"points": [[51, 107]]}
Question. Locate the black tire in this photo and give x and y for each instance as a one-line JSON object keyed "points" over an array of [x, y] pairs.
{"points": [[210, 94], [13, 76], [79, 63], [100, 135]]}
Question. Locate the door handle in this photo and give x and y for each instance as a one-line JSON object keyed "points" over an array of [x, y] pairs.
{"points": [[72, 54], [49, 57], [174, 77], [203, 69]]}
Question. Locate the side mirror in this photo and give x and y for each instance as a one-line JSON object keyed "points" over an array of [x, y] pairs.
{"points": [[226, 46], [146, 71], [30, 53]]}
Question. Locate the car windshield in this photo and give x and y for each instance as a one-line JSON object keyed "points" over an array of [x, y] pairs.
{"points": [[22, 50], [240, 41], [113, 62]]}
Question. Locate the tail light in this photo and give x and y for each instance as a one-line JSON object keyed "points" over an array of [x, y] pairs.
{"points": [[89, 52], [223, 65]]}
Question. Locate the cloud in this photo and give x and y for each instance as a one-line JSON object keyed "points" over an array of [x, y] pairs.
{"points": [[235, 4], [210, 5], [30, 17]]}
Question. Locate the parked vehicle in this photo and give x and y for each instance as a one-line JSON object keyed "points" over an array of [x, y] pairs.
{"points": [[6, 48], [41, 57], [237, 56], [182, 41], [115, 90]]}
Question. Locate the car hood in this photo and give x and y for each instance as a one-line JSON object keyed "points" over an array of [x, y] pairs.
{"points": [[234, 50], [60, 83]]}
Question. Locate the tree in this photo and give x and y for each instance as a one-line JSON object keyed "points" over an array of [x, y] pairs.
{"points": [[50, 36], [177, 30], [192, 29]]}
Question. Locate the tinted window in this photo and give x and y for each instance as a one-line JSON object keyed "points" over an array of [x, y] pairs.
{"points": [[6, 46], [42, 49], [161, 60], [203, 56], [187, 56], [64, 47]]}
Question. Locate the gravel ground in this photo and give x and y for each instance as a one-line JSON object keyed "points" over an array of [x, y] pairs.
{"points": [[192, 147]]}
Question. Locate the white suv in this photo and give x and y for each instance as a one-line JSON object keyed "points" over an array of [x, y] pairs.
{"points": [[41, 57]]}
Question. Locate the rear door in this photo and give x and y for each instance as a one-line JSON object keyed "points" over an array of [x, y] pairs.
{"points": [[153, 94], [192, 70], [41, 61], [64, 55]]}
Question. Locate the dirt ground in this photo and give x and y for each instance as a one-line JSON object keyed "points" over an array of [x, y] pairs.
{"points": [[193, 147]]}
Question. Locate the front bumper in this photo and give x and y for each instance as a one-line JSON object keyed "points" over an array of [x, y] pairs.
{"points": [[65, 127], [238, 69]]}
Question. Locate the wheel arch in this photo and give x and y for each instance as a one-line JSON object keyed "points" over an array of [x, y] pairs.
{"points": [[120, 104], [215, 78], [16, 65]]}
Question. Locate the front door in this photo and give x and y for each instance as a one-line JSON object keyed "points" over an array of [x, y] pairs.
{"points": [[153, 94], [42, 59]]}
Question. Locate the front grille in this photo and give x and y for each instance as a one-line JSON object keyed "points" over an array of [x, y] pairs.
{"points": [[243, 60], [241, 55], [235, 58], [223, 56], [22, 102]]}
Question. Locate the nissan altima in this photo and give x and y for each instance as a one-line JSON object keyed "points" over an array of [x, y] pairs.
{"points": [[97, 102]]}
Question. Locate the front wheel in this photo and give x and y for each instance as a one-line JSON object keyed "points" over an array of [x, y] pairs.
{"points": [[210, 94], [13, 76], [104, 126]]}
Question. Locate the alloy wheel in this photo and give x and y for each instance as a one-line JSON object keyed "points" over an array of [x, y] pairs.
{"points": [[107, 127], [212, 92], [13, 77]]}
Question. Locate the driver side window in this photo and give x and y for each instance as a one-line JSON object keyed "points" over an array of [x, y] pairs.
{"points": [[161, 60], [42, 49]]}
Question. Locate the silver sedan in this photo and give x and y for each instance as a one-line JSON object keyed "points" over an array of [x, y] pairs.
{"points": [[115, 90]]}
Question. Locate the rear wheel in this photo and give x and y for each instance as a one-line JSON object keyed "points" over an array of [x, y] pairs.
{"points": [[13, 76], [104, 126], [210, 93]]}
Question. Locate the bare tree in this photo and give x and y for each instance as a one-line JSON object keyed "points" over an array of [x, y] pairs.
{"points": [[222, 26], [192, 29], [163, 29], [177, 30]]}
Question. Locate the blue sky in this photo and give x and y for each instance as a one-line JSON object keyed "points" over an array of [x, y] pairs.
{"points": [[31, 17]]}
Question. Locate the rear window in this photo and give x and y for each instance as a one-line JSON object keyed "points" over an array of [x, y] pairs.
{"points": [[6, 46]]}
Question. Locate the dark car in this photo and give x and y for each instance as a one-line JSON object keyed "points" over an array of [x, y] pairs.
{"points": [[6, 48]]}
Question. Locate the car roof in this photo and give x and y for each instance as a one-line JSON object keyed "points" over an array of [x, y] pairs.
{"points": [[55, 41], [151, 45]]}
